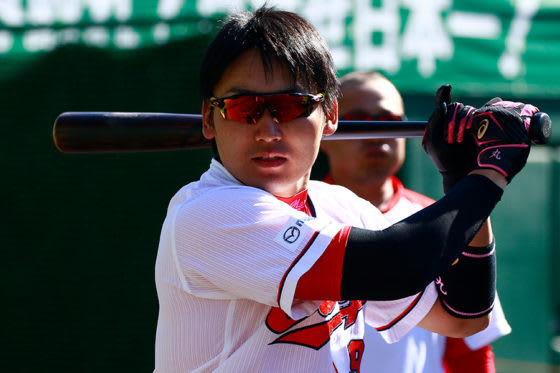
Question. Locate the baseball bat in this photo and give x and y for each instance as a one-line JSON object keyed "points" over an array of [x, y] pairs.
{"points": [[116, 132]]}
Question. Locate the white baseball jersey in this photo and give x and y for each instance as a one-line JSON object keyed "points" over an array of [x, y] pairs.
{"points": [[230, 261], [420, 351]]}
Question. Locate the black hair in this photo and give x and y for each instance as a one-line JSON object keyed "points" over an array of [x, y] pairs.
{"points": [[279, 36]]}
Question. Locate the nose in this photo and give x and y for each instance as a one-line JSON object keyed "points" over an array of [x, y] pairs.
{"points": [[267, 128]]}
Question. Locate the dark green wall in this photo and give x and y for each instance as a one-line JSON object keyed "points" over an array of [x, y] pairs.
{"points": [[81, 231]]}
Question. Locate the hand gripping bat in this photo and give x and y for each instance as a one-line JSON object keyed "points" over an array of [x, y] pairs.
{"points": [[116, 132]]}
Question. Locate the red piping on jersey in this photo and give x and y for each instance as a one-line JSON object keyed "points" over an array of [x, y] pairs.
{"points": [[315, 234], [323, 279], [402, 315]]}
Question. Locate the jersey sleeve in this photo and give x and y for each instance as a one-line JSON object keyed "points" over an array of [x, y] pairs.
{"points": [[393, 319], [243, 243], [498, 328]]}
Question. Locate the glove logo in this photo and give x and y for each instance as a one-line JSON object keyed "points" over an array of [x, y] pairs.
{"points": [[482, 129], [496, 154]]}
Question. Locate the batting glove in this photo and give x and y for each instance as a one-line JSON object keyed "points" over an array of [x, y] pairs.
{"points": [[444, 137], [500, 133]]}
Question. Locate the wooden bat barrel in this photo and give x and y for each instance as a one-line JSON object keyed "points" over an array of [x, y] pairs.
{"points": [[115, 132]]}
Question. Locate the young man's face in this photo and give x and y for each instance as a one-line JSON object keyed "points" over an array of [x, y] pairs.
{"points": [[276, 157], [367, 161]]}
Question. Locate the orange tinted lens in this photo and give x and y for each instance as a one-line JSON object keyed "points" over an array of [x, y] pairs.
{"points": [[246, 109], [287, 107], [249, 109]]}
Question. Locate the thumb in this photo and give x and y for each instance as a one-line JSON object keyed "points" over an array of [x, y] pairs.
{"points": [[443, 97]]}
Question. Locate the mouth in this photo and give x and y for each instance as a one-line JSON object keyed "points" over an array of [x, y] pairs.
{"points": [[269, 160]]}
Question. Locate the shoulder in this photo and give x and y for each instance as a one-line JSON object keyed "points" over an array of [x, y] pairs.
{"points": [[217, 188], [197, 200], [344, 206], [325, 193], [317, 187], [214, 202]]}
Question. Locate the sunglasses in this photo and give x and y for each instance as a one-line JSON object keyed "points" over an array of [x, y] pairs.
{"points": [[362, 116], [249, 108]]}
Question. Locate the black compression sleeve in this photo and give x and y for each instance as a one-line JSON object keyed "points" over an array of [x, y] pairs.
{"points": [[467, 289], [404, 258]]}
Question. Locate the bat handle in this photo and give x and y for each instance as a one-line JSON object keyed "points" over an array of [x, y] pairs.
{"points": [[540, 128]]}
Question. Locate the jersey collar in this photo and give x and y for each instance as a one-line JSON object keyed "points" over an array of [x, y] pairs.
{"points": [[299, 202]]}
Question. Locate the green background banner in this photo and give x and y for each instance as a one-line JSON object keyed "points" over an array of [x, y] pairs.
{"points": [[484, 47]]}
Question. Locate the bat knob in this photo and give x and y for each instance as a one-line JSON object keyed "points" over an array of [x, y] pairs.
{"points": [[540, 128]]}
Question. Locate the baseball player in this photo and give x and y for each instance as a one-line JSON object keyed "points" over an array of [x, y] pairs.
{"points": [[368, 167], [260, 269]]}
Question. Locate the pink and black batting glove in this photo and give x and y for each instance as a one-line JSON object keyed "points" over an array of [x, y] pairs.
{"points": [[460, 138], [500, 132]]}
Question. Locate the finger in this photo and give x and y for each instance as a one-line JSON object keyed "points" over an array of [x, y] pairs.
{"points": [[466, 123], [454, 108]]}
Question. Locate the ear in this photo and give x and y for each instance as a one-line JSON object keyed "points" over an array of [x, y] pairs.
{"points": [[332, 120], [208, 121]]}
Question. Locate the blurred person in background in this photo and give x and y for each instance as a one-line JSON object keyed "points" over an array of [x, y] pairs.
{"points": [[368, 168]]}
